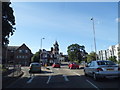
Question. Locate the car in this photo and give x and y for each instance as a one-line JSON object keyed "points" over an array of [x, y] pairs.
{"points": [[73, 65], [99, 69], [56, 65], [34, 67]]}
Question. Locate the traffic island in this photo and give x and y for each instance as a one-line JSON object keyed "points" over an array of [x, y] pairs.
{"points": [[10, 78]]}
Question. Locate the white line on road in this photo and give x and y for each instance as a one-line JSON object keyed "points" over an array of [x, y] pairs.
{"points": [[48, 79], [92, 84], [65, 77], [57, 68], [77, 74], [24, 74], [30, 80]]}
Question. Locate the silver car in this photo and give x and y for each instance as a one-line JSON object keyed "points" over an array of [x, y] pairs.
{"points": [[102, 69]]}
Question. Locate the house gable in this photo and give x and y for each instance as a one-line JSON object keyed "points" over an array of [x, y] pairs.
{"points": [[23, 49]]}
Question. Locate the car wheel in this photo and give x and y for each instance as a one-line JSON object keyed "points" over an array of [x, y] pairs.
{"points": [[70, 67], [40, 71], [30, 71], [85, 73], [95, 77]]}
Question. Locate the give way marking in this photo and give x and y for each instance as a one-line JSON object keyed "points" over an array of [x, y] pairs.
{"points": [[30, 80], [65, 77]]}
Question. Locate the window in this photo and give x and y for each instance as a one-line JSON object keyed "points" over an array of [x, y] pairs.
{"points": [[26, 51], [20, 51], [22, 56], [17, 57], [106, 63], [92, 64], [26, 56], [12, 51]]}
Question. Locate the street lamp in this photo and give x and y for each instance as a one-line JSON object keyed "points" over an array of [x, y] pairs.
{"points": [[94, 38], [41, 43], [41, 49]]}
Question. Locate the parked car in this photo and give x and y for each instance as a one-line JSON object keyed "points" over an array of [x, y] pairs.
{"points": [[102, 69], [73, 65], [56, 65], [34, 67]]}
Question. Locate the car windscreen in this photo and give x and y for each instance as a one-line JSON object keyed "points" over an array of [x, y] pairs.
{"points": [[35, 65], [56, 63], [105, 63]]}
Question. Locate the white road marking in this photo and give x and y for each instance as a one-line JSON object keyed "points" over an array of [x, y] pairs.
{"points": [[77, 74], [48, 79], [57, 68], [24, 74], [30, 80], [92, 84], [65, 77]]}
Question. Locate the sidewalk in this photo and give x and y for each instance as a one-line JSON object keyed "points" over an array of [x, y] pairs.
{"points": [[10, 76]]}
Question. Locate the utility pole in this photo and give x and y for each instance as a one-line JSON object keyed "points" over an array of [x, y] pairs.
{"points": [[94, 38], [6, 61], [41, 43], [41, 48]]}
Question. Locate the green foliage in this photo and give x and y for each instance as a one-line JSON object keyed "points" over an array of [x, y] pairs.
{"points": [[91, 56], [75, 52], [118, 61], [113, 58], [36, 57], [119, 54], [8, 20]]}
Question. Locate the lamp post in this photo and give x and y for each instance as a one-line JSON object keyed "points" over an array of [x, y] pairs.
{"points": [[94, 38], [41, 43], [41, 49]]}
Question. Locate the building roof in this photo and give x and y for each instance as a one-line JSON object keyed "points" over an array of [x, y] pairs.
{"points": [[13, 47], [56, 43], [16, 47], [49, 52]]}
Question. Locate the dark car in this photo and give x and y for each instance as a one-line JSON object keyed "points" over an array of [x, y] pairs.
{"points": [[73, 65], [34, 67]]}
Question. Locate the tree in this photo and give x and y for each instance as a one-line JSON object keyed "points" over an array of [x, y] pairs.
{"points": [[36, 57], [76, 52], [8, 21], [91, 56], [113, 58]]}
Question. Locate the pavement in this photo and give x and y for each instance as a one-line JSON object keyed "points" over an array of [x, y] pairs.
{"points": [[10, 76]]}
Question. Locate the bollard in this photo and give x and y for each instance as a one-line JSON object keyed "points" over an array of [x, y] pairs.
{"points": [[45, 65]]}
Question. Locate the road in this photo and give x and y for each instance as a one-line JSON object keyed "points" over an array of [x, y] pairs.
{"points": [[61, 78]]}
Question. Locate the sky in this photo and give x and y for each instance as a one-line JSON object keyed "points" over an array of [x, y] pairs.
{"points": [[65, 22]]}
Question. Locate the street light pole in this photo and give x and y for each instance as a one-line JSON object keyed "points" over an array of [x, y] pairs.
{"points": [[41, 48], [41, 43], [6, 62], [94, 38]]}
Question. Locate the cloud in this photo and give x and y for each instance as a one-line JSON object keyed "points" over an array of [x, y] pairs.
{"points": [[117, 19]]}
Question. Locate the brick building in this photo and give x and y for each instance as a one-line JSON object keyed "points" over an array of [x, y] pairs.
{"points": [[19, 54]]}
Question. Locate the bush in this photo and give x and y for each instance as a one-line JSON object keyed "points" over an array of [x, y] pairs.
{"points": [[118, 61], [113, 58]]}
